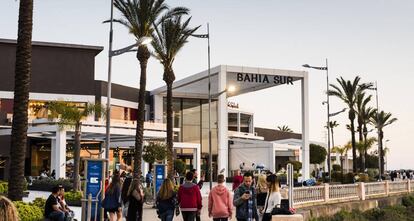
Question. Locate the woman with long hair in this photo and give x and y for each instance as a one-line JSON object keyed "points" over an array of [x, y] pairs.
{"points": [[273, 197], [136, 199], [166, 201], [262, 189], [8, 211], [112, 201]]}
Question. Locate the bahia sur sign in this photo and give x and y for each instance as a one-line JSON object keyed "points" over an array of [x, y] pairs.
{"points": [[265, 79]]}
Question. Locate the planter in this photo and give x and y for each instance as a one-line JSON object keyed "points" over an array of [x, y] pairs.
{"points": [[74, 203]]}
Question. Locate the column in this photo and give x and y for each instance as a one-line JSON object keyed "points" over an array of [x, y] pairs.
{"points": [[158, 108], [58, 154], [197, 159], [222, 123], [305, 127]]}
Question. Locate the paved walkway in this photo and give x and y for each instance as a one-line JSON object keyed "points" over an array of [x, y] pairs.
{"points": [[149, 212]]}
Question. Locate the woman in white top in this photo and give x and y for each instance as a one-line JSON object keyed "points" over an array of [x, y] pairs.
{"points": [[273, 197]]}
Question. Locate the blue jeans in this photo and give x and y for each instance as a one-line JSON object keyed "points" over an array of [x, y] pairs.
{"points": [[57, 216], [168, 216]]}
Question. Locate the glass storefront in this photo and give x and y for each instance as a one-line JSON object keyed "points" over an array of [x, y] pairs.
{"points": [[191, 116]]}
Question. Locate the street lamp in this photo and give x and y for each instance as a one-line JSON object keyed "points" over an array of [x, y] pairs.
{"points": [[327, 110], [210, 156], [111, 53], [378, 132]]}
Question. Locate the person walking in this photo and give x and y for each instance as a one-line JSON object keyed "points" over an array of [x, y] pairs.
{"points": [[273, 197], [189, 198], [245, 200], [220, 205], [166, 201], [136, 199], [262, 190], [237, 180], [112, 202]]}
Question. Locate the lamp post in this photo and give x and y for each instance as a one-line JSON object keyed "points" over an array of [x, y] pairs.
{"points": [[378, 132], [210, 156], [327, 110], [111, 53]]}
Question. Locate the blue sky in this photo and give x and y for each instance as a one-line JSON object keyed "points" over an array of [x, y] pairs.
{"points": [[372, 39]]}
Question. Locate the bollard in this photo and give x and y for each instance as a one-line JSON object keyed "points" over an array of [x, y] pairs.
{"points": [[89, 207]]}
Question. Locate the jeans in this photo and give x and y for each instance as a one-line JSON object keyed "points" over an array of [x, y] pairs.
{"points": [[220, 219], [168, 216], [57, 216], [189, 215]]}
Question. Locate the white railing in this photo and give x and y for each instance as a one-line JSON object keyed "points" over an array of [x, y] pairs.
{"points": [[377, 188], [398, 186], [308, 194], [343, 191], [303, 196]]}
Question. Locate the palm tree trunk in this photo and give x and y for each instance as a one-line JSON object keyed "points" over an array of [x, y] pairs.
{"points": [[169, 78], [76, 155], [23, 68], [361, 155], [354, 158], [143, 56], [381, 151], [332, 135], [365, 133]]}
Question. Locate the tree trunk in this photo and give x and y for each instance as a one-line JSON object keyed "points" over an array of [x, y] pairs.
{"points": [[354, 161], [361, 154], [169, 78], [365, 133], [21, 99], [142, 56], [76, 156], [381, 151]]}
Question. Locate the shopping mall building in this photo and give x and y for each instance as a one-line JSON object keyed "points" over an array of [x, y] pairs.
{"points": [[66, 72]]}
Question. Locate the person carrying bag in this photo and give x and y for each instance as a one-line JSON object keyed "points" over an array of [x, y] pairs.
{"points": [[273, 198]]}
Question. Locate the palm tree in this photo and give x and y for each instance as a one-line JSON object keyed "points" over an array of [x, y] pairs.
{"points": [[169, 38], [342, 150], [381, 120], [332, 125], [365, 114], [285, 128], [361, 107], [347, 92], [139, 16], [23, 68], [71, 115]]}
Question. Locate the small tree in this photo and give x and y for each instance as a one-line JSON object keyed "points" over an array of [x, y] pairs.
{"points": [[179, 166], [317, 154], [154, 151], [296, 165]]}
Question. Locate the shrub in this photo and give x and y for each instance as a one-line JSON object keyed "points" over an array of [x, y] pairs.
{"points": [[28, 212], [297, 165], [179, 166], [48, 184], [363, 177], [73, 196], [408, 201], [39, 202], [348, 178], [336, 167], [337, 177]]}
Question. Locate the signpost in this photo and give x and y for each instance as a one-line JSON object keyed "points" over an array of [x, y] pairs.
{"points": [[159, 176], [94, 189]]}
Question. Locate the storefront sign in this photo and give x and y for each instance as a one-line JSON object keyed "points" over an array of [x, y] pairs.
{"points": [[265, 79], [232, 104], [159, 176]]}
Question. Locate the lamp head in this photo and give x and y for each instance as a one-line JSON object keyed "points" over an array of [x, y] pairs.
{"points": [[144, 41], [231, 88], [306, 66]]}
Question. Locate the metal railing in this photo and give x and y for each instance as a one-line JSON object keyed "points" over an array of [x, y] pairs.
{"points": [[348, 191]]}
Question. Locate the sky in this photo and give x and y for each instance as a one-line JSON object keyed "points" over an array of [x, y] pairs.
{"points": [[372, 39]]}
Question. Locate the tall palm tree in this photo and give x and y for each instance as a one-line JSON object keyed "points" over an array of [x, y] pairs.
{"points": [[139, 16], [71, 115], [169, 38], [347, 91], [381, 120], [285, 128], [23, 68], [360, 107], [366, 115]]}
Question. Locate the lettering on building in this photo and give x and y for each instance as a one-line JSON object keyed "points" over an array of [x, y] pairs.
{"points": [[265, 79], [232, 104]]}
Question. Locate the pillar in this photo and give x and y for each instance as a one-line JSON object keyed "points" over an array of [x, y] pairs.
{"points": [[305, 127], [58, 154], [222, 123]]}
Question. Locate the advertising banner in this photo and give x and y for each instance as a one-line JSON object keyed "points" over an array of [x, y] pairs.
{"points": [[94, 171], [159, 176]]}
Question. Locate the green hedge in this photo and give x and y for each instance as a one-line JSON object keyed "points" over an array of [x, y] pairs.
{"points": [[47, 184], [73, 198], [4, 186], [28, 212]]}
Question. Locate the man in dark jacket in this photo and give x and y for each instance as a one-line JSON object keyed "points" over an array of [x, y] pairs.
{"points": [[245, 200]]}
